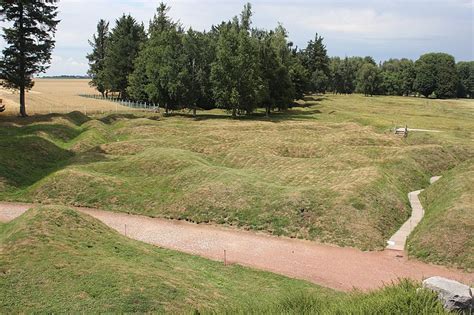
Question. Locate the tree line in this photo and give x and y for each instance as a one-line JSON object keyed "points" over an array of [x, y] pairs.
{"points": [[240, 68]]}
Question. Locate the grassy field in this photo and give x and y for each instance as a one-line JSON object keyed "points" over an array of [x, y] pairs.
{"points": [[58, 96], [56, 260], [446, 234], [330, 170]]}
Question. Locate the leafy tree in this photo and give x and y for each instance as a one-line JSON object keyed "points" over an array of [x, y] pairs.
{"points": [[316, 62], [30, 41], [369, 79], [235, 71], [350, 69], [285, 88], [466, 79], [277, 89], [123, 47], [298, 74], [97, 56], [447, 77], [198, 56], [407, 76], [436, 73], [398, 76]]}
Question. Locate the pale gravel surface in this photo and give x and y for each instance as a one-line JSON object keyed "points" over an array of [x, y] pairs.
{"points": [[399, 239], [331, 266]]}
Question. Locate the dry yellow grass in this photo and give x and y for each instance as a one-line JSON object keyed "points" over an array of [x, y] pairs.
{"points": [[58, 96]]}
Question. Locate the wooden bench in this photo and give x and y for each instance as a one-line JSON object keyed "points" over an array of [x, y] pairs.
{"points": [[401, 131]]}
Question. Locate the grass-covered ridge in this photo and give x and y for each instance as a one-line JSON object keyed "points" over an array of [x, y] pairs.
{"points": [[330, 171], [57, 260], [446, 234]]}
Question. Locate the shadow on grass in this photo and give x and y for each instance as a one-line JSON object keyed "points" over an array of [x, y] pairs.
{"points": [[110, 119], [28, 152], [288, 115], [77, 118]]}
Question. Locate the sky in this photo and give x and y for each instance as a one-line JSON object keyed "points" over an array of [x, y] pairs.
{"points": [[382, 29]]}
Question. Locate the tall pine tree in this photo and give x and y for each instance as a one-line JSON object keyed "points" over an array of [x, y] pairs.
{"points": [[30, 41], [97, 56], [316, 61], [123, 46], [235, 72]]}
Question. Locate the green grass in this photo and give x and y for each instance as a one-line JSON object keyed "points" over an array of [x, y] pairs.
{"points": [[329, 171], [57, 260], [446, 234]]}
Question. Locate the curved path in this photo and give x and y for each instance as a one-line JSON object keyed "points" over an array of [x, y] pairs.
{"points": [[331, 266], [399, 239]]}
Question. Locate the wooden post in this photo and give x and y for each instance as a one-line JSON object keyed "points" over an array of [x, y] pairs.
{"points": [[225, 258], [125, 229]]}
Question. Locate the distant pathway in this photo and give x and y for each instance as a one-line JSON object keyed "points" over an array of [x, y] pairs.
{"points": [[331, 266], [414, 129], [399, 239]]}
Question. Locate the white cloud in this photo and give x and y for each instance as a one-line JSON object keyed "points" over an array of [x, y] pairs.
{"points": [[381, 28]]}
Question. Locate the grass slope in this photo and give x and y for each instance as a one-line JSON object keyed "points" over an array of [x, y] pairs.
{"points": [[446, 234], [330, 170], [56, 260]]}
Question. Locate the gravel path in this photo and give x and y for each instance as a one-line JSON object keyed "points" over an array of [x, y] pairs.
{"points": [[399, 239], [331, 266]]}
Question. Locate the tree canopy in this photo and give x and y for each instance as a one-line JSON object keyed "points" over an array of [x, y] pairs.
{"points": [[29, 43], [240, 68]]}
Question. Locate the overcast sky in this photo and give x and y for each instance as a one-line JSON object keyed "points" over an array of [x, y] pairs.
{"points": [[382, 29]]}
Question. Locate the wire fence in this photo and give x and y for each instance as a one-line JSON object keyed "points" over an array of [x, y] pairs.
{"points": [[125, 102]]}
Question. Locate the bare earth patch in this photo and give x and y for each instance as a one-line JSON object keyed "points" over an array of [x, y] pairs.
{"points": [[334, 267]]}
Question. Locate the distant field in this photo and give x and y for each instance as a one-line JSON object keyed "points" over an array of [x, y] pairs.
{"points": [[58, 96], [330, 170]]}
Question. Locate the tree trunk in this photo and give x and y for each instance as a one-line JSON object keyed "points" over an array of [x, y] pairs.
{"points": [[268, 111], [194, 112], [22, 102], [22, 62], [234, 113], [166, 108]]}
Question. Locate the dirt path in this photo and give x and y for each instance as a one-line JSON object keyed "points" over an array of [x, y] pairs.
{"points": [[335, 267]]}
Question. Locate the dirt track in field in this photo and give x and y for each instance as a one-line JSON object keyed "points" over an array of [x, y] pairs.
{"points": [[330, 266]]}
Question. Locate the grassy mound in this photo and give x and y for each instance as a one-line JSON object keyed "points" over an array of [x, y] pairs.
{"points": [[331, 171], [403, 298], [446, 234], [56, 260]]}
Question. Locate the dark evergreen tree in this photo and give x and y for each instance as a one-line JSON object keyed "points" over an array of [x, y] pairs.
{"points": [[123, 47], [30, 41], [316, 62], [198, 57], [97, 56], [235, 71], [298, 74], [277, 89]]}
